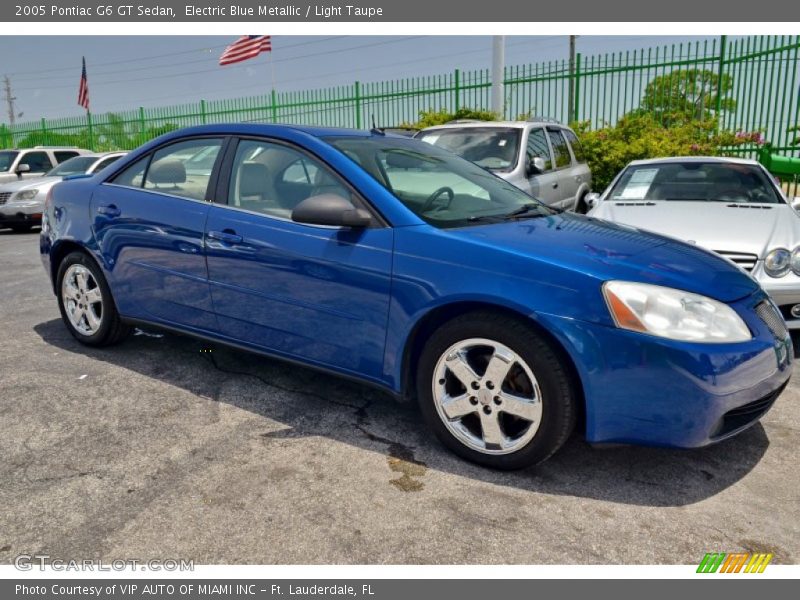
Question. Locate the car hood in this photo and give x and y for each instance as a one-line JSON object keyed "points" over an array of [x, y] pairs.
{"points": [[747, 228], [609, 251], [25, 184]]}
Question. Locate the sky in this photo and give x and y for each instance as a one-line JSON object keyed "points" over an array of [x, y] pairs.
{"points": [[126, 72]]}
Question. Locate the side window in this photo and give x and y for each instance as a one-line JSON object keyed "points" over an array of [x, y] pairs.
{"points": [[577, 149], [133, 176], [300, 171], [560, 148], [104, 163], [537, 147], [62, 155], [272, 179], [39, 162], [184, 168]]}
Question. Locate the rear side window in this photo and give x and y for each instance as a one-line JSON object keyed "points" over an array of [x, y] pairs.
{"points": [[62, 155], [577, 149], [560, 148], [538, 148], [184, 168], [39, 162], [133, 176]]}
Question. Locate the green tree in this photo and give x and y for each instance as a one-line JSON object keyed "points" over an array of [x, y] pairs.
{"points": [[429, 118], [641, 135], [687, 94]]}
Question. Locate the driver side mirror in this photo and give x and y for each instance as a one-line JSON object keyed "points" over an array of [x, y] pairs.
{"points": [[592, 199], [536, 166], [23, 168], [330, 209]]}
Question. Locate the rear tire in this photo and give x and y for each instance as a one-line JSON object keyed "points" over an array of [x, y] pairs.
{"points": [[85, 301], [495, 391]]}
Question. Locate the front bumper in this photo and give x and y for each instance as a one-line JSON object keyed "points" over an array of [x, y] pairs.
{"points": [[642, 389], [29, 211]]}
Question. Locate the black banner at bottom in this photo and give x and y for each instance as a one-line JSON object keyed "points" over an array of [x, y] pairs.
{"points": [[390, 589]]}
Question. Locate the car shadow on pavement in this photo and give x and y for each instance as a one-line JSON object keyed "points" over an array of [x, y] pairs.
{"points": [[303, 403]]}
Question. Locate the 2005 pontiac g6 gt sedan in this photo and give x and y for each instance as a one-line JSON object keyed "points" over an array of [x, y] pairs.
{"points": [[397, 263]]}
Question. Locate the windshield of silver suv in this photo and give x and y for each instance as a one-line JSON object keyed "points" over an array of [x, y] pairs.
{"points": [[438, 186], [492, 148], [7, 159]]}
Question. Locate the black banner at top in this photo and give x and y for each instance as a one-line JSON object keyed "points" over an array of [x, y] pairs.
{"points": [[400, 11]]}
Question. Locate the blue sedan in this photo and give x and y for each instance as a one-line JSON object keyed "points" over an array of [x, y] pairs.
{"points": [[391, 261]]}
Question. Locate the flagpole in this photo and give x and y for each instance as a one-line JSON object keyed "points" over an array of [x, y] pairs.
{"points": [[272, 70]]}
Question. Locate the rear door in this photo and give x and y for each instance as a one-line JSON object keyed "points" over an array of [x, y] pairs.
{"points": [[580, 169], [543, 186], [149, 222], [565, 184], [315, 293]]}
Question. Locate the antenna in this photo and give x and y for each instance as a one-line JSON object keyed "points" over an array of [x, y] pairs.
{"points": [[375, 129]]}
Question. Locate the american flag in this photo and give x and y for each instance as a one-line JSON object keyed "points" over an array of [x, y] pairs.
{"points": [[247, 46], [83, 89]]}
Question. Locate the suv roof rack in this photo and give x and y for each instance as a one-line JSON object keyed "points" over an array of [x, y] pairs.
{"points": [[540, 119], [55, 148], [459, 121]]}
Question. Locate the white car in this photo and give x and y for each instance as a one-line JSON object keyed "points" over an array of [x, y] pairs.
{"points": [[733, 207], [29, 163], [22, 202]]}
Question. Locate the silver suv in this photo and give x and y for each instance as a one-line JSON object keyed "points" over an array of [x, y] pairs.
{"points": [[33, 162], [540, 156]]}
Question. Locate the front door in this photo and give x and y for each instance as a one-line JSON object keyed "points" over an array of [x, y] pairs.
{"points": [[319, 294], [543, 186]]}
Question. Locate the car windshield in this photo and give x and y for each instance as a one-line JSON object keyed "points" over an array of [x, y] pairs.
{"points": [[489, 147], [73, 166], [438, 186], [695, 182], [6, 160]]}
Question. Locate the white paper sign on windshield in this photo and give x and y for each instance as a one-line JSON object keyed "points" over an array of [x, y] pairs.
{"points": [[639, 184]]}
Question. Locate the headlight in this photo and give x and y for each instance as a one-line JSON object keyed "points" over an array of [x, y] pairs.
{"points": [[26, 195], [673, 314], [778, 262], [795, 262]]}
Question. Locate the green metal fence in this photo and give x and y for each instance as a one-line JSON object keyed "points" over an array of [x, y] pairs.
{"points": [[762, 73]]}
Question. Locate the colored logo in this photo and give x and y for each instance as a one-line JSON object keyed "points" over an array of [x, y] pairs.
{"points": [[741, 562]]}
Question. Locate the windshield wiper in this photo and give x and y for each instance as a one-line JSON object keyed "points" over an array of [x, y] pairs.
{"points": [[525, 210]]}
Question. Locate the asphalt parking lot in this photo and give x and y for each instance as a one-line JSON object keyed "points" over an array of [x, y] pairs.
{"points": [[165, 447]]}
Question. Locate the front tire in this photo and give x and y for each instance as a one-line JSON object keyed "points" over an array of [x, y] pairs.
{"points": [[495, 391], [85, 301]]}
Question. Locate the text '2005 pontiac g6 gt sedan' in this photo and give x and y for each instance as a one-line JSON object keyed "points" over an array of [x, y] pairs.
{"points": [[391, 261]]}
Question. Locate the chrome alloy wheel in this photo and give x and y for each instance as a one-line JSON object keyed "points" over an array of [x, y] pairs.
{"points": [[487, 396], [82, 299]]}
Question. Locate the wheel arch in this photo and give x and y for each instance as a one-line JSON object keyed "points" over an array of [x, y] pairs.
{"points": [[437, 316], [60, 251]]}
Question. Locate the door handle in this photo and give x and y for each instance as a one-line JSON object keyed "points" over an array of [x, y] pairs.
{"points": [[555, 185], [110, 210], [228, 236]]}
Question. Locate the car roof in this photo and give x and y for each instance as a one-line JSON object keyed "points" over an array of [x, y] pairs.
{"points": [[694, 159], [496, 124], [269, 128]]}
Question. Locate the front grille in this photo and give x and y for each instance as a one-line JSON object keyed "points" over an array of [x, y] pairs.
{"points": [[742, 416], [772, 318], [744, 260], [4, 196]]}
